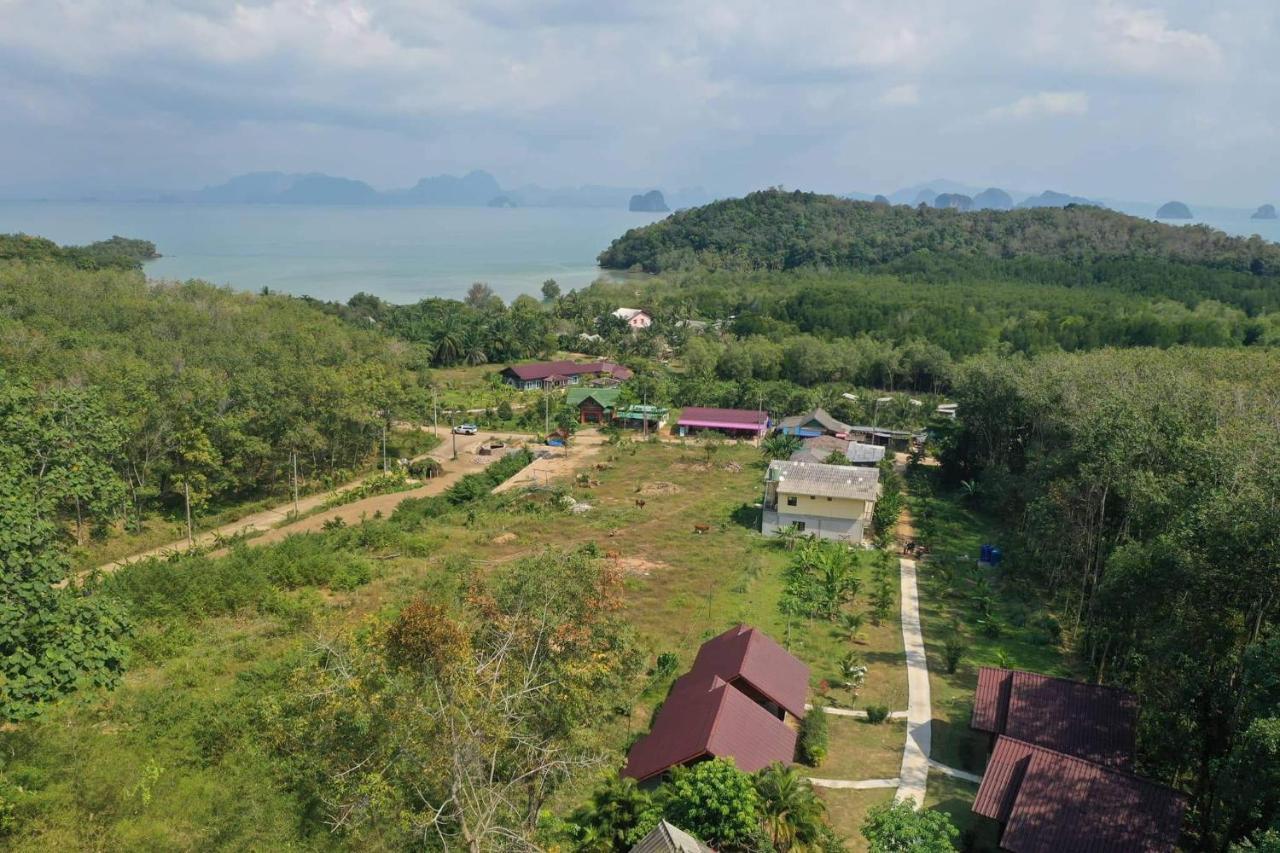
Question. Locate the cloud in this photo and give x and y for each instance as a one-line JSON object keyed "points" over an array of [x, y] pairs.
{"points": [[903, 95], [730, 94], [1043, 104]]}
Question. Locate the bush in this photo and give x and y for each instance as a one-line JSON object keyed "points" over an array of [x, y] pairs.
{"points": [[953, 651], [877, 714], [666, 666], [813, 741]]}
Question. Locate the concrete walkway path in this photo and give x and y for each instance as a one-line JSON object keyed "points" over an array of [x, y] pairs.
{"points": [[856, 713], [857, 784], [915, 755]]}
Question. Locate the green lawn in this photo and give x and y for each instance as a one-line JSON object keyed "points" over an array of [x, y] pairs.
{"points": [[847, 809], [862, 750], [955, 797]]}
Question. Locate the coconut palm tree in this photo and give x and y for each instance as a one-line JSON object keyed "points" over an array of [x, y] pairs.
{"points": [[851, 625], [792, 814], [779, 446]]}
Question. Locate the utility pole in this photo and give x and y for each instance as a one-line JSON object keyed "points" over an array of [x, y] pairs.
{"points": [[186, 496], [644, 410], [546, 416], [435, 412], [384, 445], [454, 433], [295, 482]]}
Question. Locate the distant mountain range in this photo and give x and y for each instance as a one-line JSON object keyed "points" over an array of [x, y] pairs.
{"points": [[474, 189], [947, 193]]}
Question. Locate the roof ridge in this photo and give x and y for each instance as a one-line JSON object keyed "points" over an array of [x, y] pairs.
{"points": [[1116, 770], [1064, 678]]}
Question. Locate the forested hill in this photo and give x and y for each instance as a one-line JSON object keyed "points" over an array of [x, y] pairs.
{"points": [[1076, 245], [121, 253]]}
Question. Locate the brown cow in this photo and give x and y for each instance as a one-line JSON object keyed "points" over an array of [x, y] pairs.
{"points": [[701, 528], [640, 503]]}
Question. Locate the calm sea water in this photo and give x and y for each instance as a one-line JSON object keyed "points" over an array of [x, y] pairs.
{"points": [[399, 254]]}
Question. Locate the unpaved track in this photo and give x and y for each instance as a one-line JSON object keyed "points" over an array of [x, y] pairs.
{"points": [[266, 520]]}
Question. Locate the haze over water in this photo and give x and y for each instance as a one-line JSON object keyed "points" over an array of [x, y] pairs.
{"points": [[401, 254]]}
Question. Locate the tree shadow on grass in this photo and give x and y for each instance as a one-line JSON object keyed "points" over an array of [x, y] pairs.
{"points": [[746, 515]]}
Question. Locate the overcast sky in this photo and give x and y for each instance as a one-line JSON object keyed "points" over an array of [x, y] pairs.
{"points": [[1136, 100]]}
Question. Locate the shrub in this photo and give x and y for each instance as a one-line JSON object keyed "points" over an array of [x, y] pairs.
{"points": [[877, 714], [813, 740], [666, 665], [953, 651]]}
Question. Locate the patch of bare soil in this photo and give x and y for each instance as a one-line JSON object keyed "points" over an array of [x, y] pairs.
{"points": [[504, 539], [636, 565], [659, 487]]}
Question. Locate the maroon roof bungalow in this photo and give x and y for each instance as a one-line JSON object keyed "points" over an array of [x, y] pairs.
{"points": [[1091, 721], [705, 717], [753, 662], [1050, 802], [732, 421], [560, 372], [731, 704]]}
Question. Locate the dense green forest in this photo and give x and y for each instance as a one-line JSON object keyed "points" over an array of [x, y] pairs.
{"points": [[1072, 247], [117, 253], [1143, 488]]}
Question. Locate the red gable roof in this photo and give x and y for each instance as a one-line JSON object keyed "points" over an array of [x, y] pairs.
{"points": [[751, 655], [1051, 802], [704, 716], [1091, 721], [548, 369]]}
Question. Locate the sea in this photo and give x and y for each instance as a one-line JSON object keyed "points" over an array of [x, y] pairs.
{"points": [[401, 254]]}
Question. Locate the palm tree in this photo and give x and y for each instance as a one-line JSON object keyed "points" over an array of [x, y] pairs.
{"points": [[448, 346], [789, 537], [612, 819], [851, 625], [791, 812], [779, 446]]}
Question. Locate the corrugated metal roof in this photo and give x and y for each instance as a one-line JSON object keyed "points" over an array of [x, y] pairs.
{"points": [[669, 838], [606, 397], [705, 716], [1092, 721], [547, 369], [864, 453], [741, 418], [754, 656], [818, 416], [820, 480], [1051, 802]]}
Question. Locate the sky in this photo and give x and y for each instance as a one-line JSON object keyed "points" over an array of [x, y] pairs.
{"points": [[1124, 100]]}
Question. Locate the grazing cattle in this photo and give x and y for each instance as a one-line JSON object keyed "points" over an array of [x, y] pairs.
{"points": [[612, 555], [701, 528], [640, 503]]}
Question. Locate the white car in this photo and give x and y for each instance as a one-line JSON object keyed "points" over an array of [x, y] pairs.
{"points": [[466, 429]]}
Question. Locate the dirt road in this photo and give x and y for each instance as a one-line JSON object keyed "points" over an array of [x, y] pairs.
{"points": [[268, 519]]}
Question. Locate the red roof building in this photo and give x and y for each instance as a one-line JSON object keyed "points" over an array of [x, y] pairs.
{"points": [[1050, 802], [731, 704], [553, 373], [753, 662], [1090, 721], [733, 421]]}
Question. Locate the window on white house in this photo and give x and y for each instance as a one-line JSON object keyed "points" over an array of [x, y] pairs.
{"points": [[791, 500]]}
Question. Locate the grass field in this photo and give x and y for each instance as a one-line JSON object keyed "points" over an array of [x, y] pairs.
{"points": [[847, 809], [171, 759]]}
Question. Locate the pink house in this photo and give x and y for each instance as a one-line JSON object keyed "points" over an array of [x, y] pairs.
{"points": [[636, 318]]}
